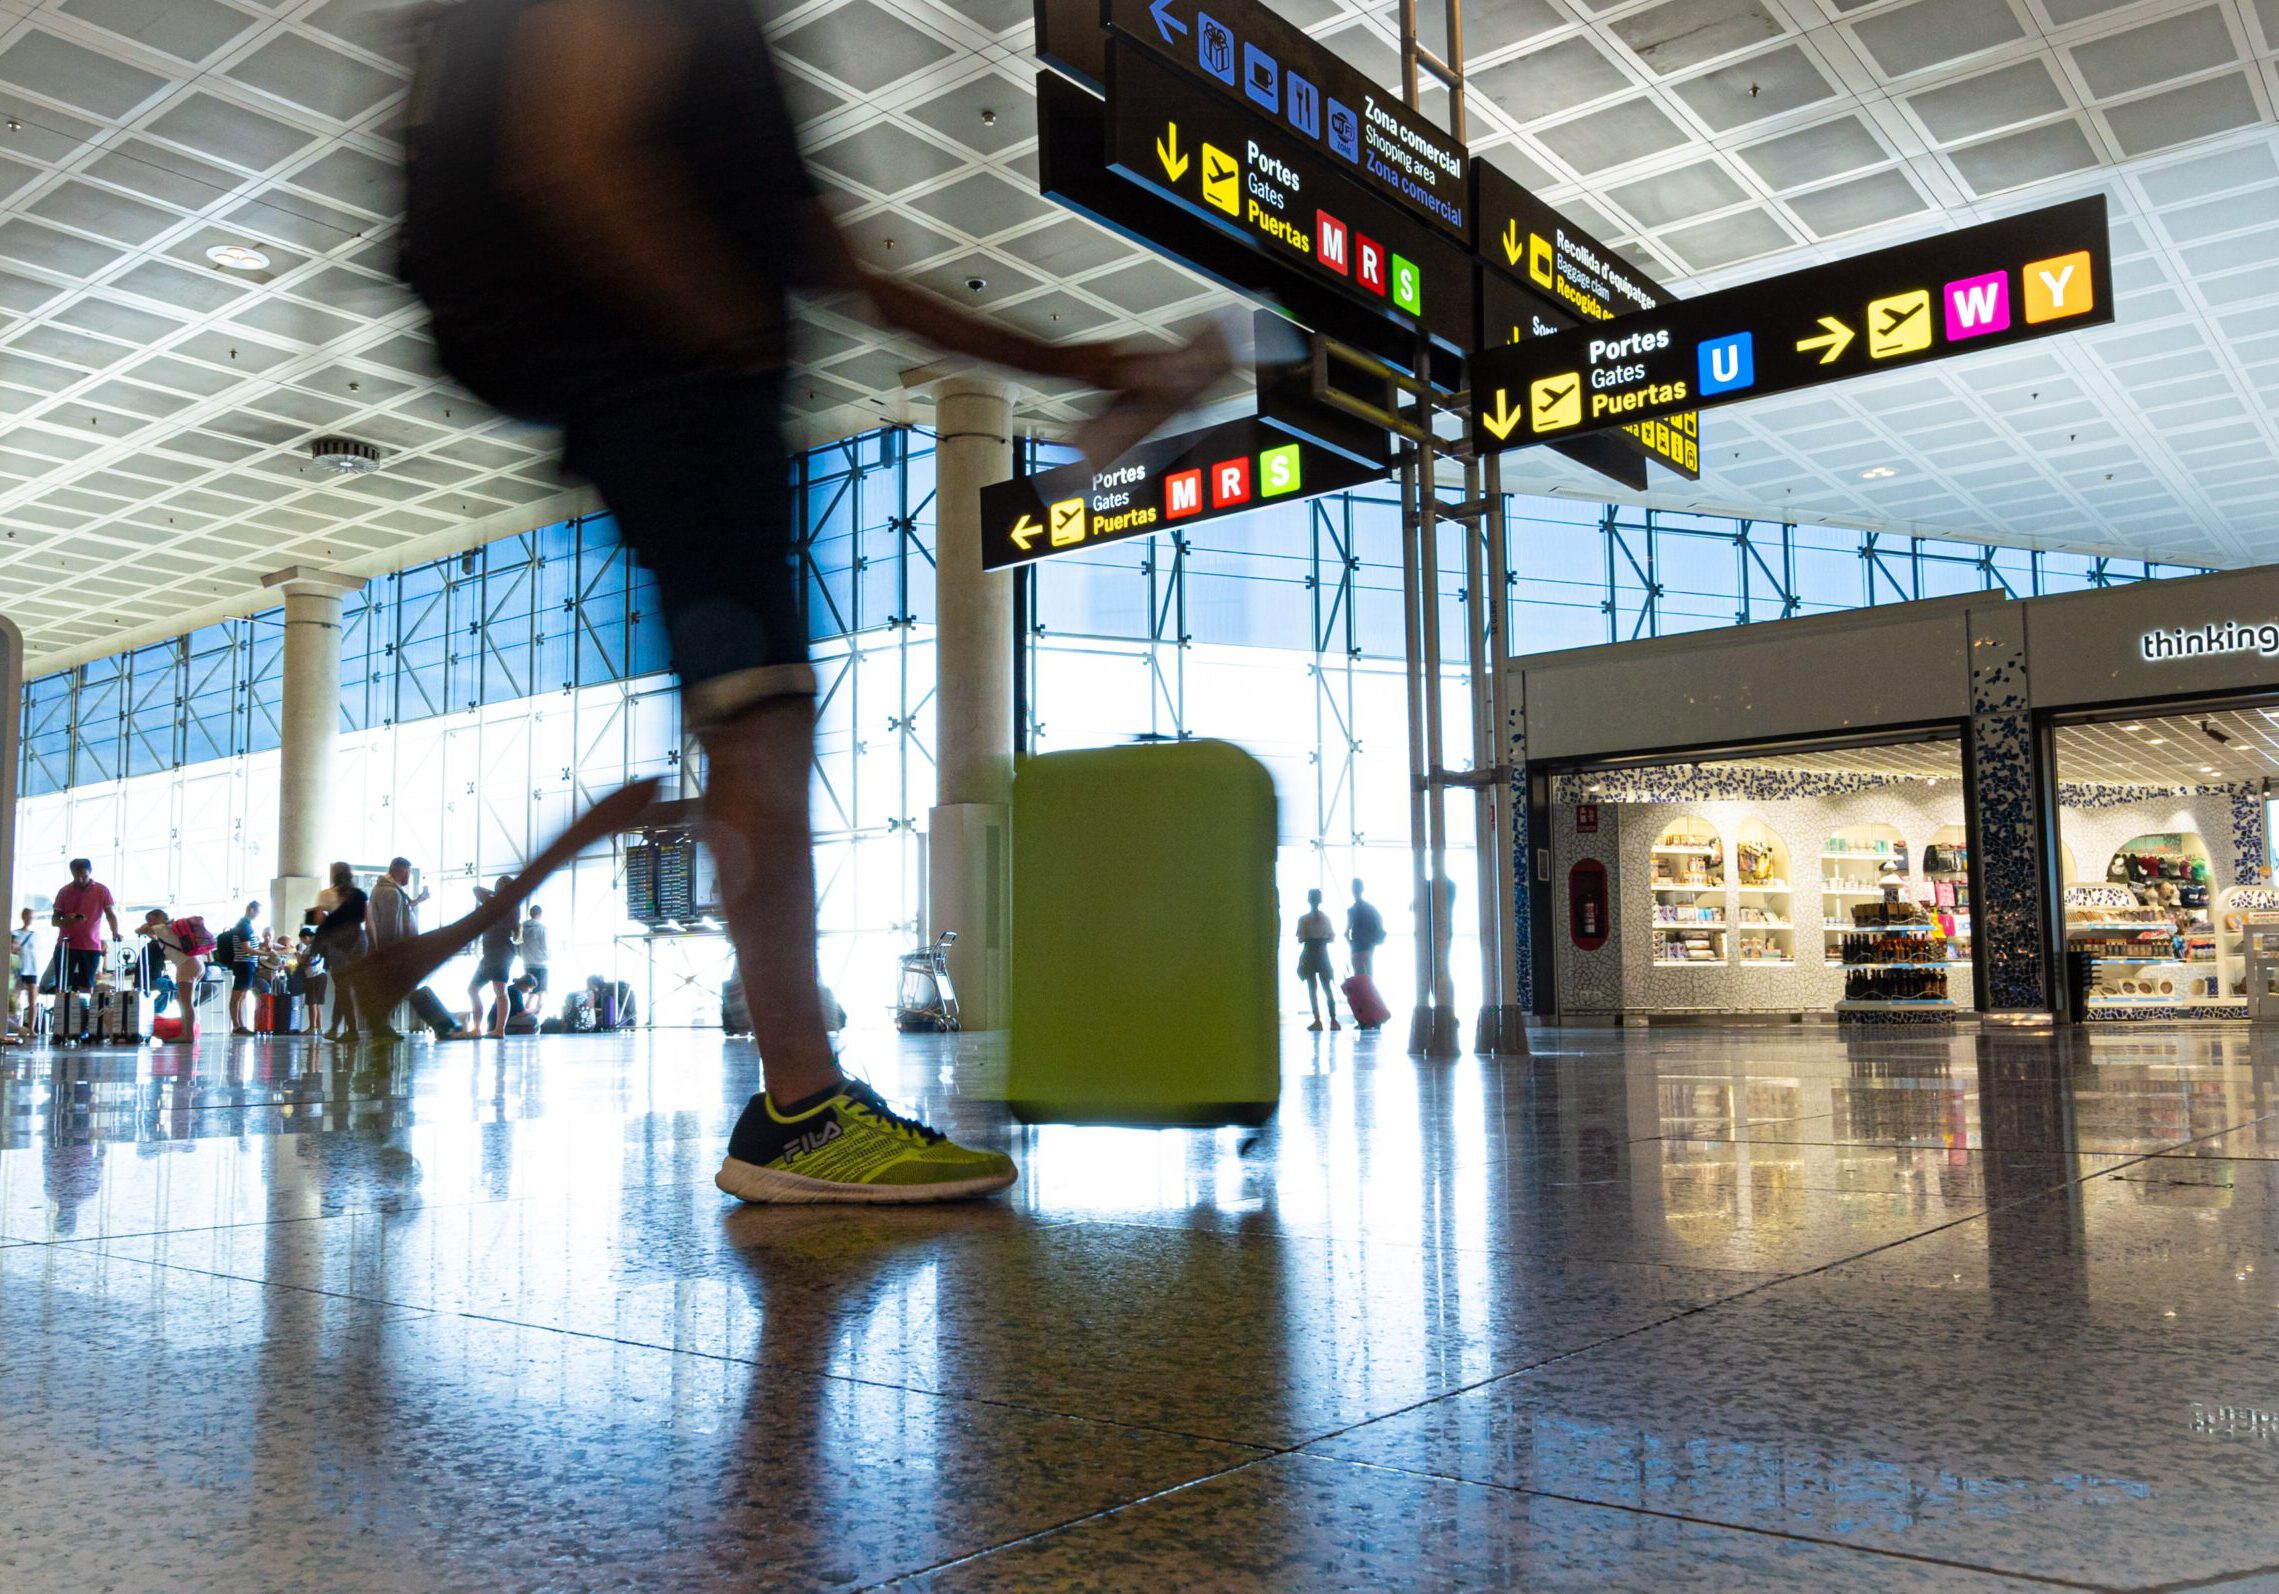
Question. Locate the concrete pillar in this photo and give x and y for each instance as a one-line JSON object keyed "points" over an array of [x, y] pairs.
{"points": [[308, 733], [11, 760], [967, 851]]}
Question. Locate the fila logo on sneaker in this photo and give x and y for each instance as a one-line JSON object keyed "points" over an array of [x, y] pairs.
{"points": [[813, 1141]]}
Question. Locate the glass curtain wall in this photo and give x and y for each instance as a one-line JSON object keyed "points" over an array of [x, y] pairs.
{"points": [[486, 695]]}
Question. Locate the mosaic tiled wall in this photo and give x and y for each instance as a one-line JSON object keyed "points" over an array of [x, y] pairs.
{"points": [[1591, 982], [1522, 860], [2010, 939]]}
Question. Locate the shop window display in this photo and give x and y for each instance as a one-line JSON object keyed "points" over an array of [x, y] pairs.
{"points": [[1852, 865], [1946, 888], [2149, 939], [1764, 911], [1689, 895]]}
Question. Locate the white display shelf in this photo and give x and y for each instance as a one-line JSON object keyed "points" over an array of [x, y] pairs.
{"points": [[2114, 929], [1706, 926], [1691, 963], [1859, 857], [1697, 890], [1828, 890], [1766, 963], [1879, 929], [1766, 891], [1913, 1003], [1683, 852], [1775, 924]]}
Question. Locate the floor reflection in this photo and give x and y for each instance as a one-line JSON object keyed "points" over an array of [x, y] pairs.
{"points": [[1646, 1307]]}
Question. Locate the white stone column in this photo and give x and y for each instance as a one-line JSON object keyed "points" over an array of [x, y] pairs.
{"points": [[11, 760], [969, 852], [308, 734]]}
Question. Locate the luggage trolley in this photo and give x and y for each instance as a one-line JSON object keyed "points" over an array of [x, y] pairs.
{"points": [[926, 1003]]}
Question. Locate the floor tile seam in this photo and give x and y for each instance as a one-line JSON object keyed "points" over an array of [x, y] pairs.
{"points": [[91, 1250], [1037, 1535], [1540, 1363], [1944, 1563], [1261, 1450]]}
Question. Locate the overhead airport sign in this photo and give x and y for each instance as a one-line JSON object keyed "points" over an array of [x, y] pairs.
{"points": [[1253, 180], [1073, 170], [1984, 287], [1542, 274], [1166, 485], [1245, 52]]}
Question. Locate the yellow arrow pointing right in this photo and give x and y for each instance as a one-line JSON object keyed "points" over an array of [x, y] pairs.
{"points": [[1026, 531], [1513, 248], [1501, 423], [1167, 151], [1838, 339]]}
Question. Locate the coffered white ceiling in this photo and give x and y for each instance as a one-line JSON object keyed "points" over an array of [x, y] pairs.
{"points": [[154, 410]]}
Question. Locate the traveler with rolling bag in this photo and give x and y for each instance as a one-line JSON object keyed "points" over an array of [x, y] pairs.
{"points": [[185, 943]]}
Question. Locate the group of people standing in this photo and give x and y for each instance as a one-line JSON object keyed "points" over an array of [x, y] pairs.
{"points": [[1364, 933], [304, 970]]}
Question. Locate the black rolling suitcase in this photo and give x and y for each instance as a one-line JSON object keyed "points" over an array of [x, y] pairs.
{"points": [[431, 1011]]}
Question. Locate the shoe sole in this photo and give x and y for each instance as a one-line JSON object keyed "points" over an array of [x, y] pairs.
{"points": [[771, 1187]]}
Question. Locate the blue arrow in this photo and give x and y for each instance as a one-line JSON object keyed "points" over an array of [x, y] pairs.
{"points": [[1165, 22]]}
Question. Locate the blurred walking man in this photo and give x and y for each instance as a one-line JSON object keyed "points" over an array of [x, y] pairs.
{"points": [[607, 213]]}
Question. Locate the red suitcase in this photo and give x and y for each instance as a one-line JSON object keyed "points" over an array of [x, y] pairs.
{"points": [[1369, 1009], [274, 1014]]}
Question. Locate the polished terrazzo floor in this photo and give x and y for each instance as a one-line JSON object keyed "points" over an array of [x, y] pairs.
{"points": [[1651, 1309]]}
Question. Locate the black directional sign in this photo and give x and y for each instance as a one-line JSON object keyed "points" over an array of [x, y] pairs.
{"points": [[2007, 281], [1254, 181], [1072, 164], [1242, 50], [1166, 485], [1541, 274]]}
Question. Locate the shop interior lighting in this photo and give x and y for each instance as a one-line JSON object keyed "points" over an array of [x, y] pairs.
{"points": [[238, 257]]}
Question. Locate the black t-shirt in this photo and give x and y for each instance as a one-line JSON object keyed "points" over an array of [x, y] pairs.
{"points": [[512, 317]]}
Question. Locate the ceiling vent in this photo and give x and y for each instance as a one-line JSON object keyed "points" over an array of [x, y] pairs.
{"points": [[345, 455]]}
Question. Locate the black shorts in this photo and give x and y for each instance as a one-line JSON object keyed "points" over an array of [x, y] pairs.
{"points": [[27, 982], [241, 976], [697, 474], [495, 970], [537, 973]]}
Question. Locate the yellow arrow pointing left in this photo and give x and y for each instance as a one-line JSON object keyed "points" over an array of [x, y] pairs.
{"points": [[1167, 151], [1026, 531], [1505, 418]]}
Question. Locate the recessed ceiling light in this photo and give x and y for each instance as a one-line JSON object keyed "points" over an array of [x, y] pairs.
{"points": [[2156, 741], [238, 257], [2132, 727], [1879, 473], [2207, 769]]}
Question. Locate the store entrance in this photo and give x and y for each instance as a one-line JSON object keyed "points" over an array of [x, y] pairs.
{"points": [[1803, 881], [2164, 852]]}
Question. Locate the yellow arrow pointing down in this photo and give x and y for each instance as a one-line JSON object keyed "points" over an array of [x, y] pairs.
{"points": [[1505, 418], [1026, 531], [1167, 151], [1513, 248], [1839, 339]]}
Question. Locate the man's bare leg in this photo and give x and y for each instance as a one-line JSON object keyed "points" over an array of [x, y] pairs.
{"points": [[756, 823]]}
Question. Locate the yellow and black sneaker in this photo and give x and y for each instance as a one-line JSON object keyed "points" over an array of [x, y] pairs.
{"points": [[850, 1146]]}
